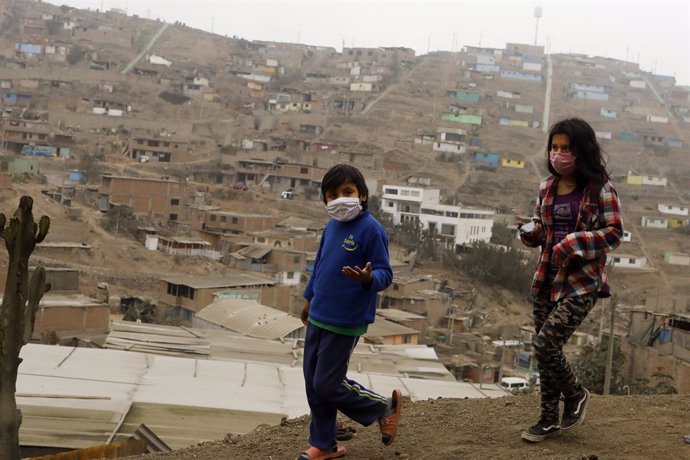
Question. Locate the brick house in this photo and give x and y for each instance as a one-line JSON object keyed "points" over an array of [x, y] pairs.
{"points": [[417, 295], [156, 147], [158, 199], [237, 223], [182, 296]]}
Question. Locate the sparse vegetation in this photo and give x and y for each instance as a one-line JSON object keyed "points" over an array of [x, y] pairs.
{"points": [[501, 234], [76, 54], [506, 267], [117, 219], [590, 367]]}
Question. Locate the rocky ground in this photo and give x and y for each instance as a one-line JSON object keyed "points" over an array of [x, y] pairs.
{"points": [[617, 427]]}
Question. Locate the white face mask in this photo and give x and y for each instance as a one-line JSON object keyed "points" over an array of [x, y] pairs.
{"points": [[344, 209]]}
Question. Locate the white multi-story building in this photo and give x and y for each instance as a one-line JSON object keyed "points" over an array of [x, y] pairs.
{"points": [[411, 204]]}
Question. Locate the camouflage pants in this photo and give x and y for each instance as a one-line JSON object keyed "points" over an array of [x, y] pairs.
{"points": [[554, 323]]}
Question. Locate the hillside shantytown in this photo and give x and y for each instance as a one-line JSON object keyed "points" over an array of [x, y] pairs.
{"points": [[181, 171]]}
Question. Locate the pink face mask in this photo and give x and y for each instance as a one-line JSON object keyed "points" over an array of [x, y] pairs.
{"points": [[563, 163]]}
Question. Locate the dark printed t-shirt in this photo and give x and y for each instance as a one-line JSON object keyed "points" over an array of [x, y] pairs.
{"points": [[565, 209]]}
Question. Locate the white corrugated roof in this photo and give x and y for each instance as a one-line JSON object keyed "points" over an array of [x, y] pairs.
{"points": [[250, 318], [81, 395], [383, 328]]}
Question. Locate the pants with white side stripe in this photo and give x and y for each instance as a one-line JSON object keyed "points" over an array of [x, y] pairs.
{"points": [[326, 357], [554, 323]]}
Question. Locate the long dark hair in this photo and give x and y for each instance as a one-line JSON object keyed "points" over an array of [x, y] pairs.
{"points": [[340, 174], [591, 166]]}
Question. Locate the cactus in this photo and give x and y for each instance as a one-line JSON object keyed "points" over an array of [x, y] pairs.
{"points": [[17, 313]]}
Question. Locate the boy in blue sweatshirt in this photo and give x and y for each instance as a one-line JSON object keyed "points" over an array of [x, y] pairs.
{"points": [[351, 267]]}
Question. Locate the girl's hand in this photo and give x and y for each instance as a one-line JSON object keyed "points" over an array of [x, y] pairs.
{"points": [[559, 257], [363, 275], [533, 237]]}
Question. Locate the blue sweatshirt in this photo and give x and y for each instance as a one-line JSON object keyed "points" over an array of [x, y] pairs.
{"points": [[335, 299]]}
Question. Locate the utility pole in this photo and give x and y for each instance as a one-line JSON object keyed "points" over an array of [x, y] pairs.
{"points": [[609, 360], [500, 366], [481, 364], [451, 320]]}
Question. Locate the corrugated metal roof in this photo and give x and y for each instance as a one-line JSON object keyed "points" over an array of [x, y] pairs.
{"points": [[401, 315], [414, 360], [250, 318], [238, 279], [384, 328], [254, 252], [67, 300], [77, 397]]}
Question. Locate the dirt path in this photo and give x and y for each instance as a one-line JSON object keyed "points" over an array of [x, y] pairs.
{"points": [[617, 427]]}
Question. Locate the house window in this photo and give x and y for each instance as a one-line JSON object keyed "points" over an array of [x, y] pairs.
{"points": [[447, 229], [290, 275], [172, 217], [616, 260], [407, 339], [390, 204], [631, 261], [296, 259], [172, 289], [223, 219], [174, 201], [303, 170], [391, 191], [212, 218], [261, 239], [234, 220]]}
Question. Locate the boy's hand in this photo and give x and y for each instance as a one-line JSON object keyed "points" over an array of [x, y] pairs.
{"points": [[304, 316], [363, 275]]}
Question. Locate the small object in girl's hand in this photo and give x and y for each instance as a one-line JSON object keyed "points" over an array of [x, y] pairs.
{"points": [[527, 227]]}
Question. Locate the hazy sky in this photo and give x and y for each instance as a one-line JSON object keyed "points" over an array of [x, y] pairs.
{"points": [[655, 33]]}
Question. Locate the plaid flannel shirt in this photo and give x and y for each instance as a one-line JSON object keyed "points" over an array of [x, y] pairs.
{"points": [[598, 230]]}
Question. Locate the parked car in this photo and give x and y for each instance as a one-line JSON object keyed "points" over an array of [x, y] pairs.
{"points": [[287, 195], [240, 186], [514, 383]]}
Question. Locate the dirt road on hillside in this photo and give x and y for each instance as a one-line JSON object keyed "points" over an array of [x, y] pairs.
{"points": [[617, 427]]}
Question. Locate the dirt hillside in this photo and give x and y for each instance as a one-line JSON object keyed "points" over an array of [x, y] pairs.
{"points": [[617, 427]]}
